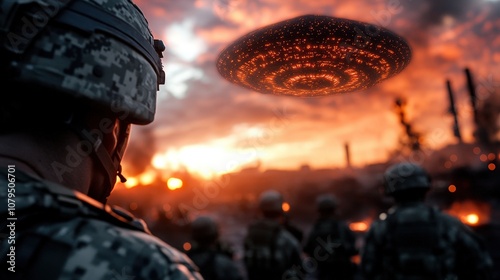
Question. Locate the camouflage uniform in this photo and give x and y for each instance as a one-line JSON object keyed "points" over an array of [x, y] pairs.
{"points": [[461, 253], [63, 234]]}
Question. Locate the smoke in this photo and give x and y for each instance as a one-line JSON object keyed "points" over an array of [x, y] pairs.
{"points": [[140, 151]]}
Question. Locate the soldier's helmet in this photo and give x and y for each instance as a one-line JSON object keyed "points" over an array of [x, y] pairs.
{"points": [[271, 202], [100, 51], [326, 203], [405, 176], [204, 230]]}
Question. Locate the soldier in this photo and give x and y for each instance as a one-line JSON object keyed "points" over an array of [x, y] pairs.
{"points": [[214, 258], [76, 75], [271, 252], [416, 241], [331, 243]]}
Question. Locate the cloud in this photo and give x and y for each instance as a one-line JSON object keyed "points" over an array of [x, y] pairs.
{"points": [[197, 106]]}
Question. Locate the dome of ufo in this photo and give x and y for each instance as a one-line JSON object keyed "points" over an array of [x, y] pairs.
{"points": [[314, 55]]}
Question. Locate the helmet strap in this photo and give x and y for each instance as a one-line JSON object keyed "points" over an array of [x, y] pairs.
{"points": [[111, 164]]}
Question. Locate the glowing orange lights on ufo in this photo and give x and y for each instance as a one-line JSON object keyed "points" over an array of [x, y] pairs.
{"points": [[314, 55]]}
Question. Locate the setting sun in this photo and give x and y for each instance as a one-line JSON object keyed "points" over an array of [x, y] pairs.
{"points": [[206, 161]]}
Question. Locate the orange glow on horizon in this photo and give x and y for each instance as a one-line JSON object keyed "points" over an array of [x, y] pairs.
{"points": [[471, 212], [207, 160], [174, 183], [131, 182], [145, 178]]}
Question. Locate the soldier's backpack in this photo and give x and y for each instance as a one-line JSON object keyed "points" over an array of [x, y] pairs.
{"points": [[416, 246], [262, 257]]}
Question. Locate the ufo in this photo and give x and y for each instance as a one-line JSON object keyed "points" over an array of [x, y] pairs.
{"points": [[314, 55]]}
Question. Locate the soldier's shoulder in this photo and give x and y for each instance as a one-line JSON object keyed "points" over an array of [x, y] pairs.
{"points": [[99, 250], [95, 243], [450, 221]]}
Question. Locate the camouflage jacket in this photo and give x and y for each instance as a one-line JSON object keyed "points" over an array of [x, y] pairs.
{"points": [[63, 234], [459, 252]]}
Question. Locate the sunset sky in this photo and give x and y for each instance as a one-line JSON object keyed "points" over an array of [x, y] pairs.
{"points": [[209, 125]]}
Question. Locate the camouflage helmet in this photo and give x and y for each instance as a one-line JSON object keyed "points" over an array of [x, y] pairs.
{"points": [[271, 201], [97, 50], [204, 230], [404, 176], [326, 203]]}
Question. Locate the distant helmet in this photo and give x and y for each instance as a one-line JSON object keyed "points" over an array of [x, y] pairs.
{"points": [[97, 50], [326, 203], [405, 176], [271, 201], [204, 230]]}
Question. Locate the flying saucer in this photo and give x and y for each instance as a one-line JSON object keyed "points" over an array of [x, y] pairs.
{"points": [[314, 55]]}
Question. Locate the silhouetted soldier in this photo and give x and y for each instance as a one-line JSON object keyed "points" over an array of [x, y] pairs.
{"points": [[271, 252], [331, 243], [292, 228], [416, 241], [213, 258]]}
